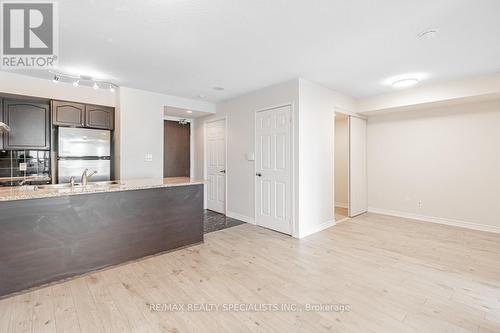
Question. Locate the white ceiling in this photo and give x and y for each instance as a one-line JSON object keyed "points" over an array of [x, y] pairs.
{"points": [[186, 47]]}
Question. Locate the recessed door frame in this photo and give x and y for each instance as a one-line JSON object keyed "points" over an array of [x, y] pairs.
{"points": [[348, 114], [191, 142], [294, 229], [205, 161], [350, 213]]}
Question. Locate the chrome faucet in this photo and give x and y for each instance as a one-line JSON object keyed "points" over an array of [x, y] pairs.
{"points": [[22, 184], [86, 177]]}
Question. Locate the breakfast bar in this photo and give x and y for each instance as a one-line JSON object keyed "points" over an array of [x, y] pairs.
{"points": [[53, 233]]}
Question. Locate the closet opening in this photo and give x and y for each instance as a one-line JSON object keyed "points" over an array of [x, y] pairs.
{"points": [[341, 166]]}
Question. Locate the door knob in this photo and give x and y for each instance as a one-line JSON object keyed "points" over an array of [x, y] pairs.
{"points": [[258, 174], [222, 171]]}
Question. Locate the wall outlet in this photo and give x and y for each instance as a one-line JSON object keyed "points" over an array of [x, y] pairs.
{"points": [[420, 204], [148, 157], [22, 167]]}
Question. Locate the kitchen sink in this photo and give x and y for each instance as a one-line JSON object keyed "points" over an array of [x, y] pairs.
{"points": [[77, 185], [56, 186], [104, 183]]}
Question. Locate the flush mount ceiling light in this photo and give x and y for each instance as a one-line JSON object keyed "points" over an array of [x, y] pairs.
{"points": [[403, 83], [189, 111], [405, 80], [427, 34], [85, 80]]}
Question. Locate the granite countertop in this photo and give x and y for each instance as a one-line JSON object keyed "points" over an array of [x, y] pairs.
{"points": [[12, 193]]}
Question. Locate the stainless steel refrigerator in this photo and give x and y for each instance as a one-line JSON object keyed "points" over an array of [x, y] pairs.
{"points": [[80, 149]]}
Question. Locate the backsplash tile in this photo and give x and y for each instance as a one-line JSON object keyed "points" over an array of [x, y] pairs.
{"points": [[31, 154], [4, 163], [37, 163], [4, 172]]}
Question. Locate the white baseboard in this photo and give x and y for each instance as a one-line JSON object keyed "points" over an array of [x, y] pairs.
{"points": [[240, 217], [316, 229], [341, 205], [440, 220]]}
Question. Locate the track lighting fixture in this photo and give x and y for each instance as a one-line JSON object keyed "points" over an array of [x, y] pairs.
{"points": [[83, 80]]}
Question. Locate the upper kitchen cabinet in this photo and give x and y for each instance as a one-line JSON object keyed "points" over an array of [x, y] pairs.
{"points": [[82, 115], [29, 123], [68, 114], [99, 117]]}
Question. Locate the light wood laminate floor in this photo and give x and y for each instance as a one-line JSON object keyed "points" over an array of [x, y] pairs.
{"points": [[397, 275]]}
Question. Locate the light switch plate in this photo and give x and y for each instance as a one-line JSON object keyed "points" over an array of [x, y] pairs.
{"points": [[148, 157]]}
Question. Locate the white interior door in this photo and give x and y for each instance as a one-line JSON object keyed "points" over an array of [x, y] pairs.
{"points": [[216, 165], [358, 195], [273, 202]]}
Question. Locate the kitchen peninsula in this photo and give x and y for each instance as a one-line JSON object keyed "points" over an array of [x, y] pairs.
{"points": [[52, 233]]}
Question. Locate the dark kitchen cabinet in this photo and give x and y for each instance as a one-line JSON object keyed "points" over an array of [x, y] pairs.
{"points": [[29, 123], [68, 114], [99, 117], [82, 115]]}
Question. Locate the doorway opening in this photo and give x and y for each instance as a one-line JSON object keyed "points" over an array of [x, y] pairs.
{"points": [[350, 166], [341, 166], [176, 148]]}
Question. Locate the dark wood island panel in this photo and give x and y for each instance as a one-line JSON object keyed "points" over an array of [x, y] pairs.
{"points": [[49, 239]]}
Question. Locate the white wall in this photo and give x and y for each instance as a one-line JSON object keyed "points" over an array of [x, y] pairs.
{"points": [[199, 137], [240, 114], [141, 133], [316, 197], [341, 162], [140, 117], [12, 83], [447, 158]]}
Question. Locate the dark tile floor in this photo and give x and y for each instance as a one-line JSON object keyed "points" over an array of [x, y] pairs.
{"points": [[213, 221]]}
